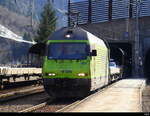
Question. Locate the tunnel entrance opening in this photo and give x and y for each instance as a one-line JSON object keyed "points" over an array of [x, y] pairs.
{"points": [[122, 54], [147, 65]]}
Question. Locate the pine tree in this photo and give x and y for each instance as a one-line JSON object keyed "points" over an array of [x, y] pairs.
{"points": [[47, 24]]}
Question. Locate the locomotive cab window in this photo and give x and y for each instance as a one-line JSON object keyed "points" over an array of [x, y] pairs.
{"points": [[94, 53], [68, 51]]}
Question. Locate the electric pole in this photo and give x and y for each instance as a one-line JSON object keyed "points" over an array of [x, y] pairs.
{"points": [[137, 58], [69, 19], [32, 13]]}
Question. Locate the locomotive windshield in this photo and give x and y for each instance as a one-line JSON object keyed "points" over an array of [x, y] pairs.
{"points": [[68, 51]]}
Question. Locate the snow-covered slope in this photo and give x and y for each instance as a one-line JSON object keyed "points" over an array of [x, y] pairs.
{"points": [[6, 33]]}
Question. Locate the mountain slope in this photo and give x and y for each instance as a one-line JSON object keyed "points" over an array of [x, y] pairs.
{"points": [[16, 23], [16, 15]]}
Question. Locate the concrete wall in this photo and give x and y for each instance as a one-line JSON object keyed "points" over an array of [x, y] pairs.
{"points": [[115, 30]]}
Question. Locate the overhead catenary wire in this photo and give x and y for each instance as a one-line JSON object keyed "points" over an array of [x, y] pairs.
{"points": [[65, 13]]}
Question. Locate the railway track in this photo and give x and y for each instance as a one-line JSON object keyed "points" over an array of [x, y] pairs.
{"points": [[22, 100], [10, 90], [19, 86], [29, 100], [40, 102], [20, 104], [19, 92], [50, 105]]}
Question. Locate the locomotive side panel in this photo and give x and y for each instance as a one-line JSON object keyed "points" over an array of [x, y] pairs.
{"points": [[99, 63]]}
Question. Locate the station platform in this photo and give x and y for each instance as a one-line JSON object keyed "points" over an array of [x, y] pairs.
{"points": [[123, 96]]}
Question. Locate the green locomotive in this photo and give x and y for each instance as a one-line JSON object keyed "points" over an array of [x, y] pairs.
{"points": [[76, 63]]}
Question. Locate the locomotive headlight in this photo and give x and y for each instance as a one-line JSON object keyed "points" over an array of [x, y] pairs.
{"points": [[51, 74], [68, 36], [81, 74]]}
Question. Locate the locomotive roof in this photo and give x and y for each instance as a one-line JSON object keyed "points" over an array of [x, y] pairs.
{"points": [[76, 33]]}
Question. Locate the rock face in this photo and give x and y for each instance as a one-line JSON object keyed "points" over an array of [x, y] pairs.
{"points": [[12, 52], [16, 23], [16, 15], [23, 7], [18, 6]]}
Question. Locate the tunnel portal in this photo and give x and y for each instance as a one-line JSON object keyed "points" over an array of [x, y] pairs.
{"points": [[122, 55], [147, 64]]}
